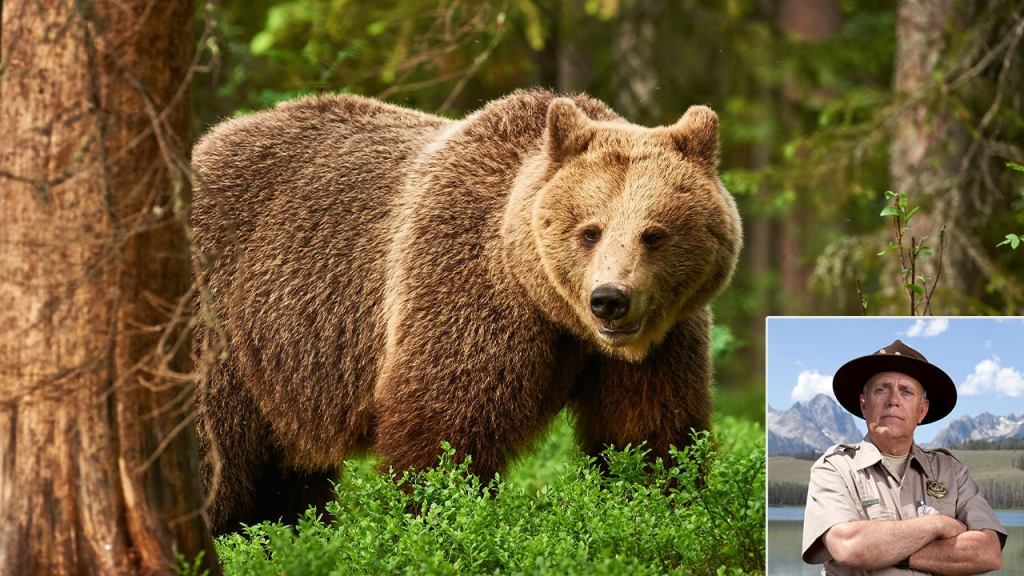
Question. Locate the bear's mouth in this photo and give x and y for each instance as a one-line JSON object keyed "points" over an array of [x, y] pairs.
{"points": [[614, 332]]}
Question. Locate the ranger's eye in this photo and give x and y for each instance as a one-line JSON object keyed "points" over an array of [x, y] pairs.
{"points": [[590, 236], [653, 238]]}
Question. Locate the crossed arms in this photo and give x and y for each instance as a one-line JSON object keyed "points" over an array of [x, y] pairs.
{"points": [[936, 543]]}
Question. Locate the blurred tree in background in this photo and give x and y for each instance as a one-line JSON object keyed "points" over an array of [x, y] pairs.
{"points": [[824, 106]]}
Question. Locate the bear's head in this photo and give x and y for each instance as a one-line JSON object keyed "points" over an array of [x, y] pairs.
{"points": [[632, 225]]}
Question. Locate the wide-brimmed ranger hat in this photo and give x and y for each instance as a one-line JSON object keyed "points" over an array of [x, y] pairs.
{"points": [[848, 383]]}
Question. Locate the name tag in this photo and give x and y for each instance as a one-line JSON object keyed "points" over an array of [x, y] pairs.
{"points": [[869, 502]]}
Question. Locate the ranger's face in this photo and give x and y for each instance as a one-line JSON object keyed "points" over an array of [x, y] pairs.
{"points": [[893, 404]]}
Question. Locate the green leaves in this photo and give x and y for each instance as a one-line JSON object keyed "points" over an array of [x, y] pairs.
{"points": [[282, 20], [901, 213], [533, 22], [899, 208], [182, 566], [700, 513], [1013, 240]]}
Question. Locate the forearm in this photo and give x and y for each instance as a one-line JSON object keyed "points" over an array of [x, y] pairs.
{"points": [[873, 544], [972, 552]]}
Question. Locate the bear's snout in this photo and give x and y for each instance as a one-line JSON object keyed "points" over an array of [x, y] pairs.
{"points": [[609, 302]]}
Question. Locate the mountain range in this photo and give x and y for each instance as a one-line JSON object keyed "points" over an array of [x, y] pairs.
{"points": [[984, 427], [809, 426], [814, 425]]}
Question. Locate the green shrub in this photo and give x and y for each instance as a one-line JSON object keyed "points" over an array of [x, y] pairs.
{"points": [[555, 513]]}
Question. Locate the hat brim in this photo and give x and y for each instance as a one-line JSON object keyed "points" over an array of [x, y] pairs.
{"points": [[849, 380]]}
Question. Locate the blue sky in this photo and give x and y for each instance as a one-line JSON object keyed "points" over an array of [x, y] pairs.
{"points": [[983, 355]]}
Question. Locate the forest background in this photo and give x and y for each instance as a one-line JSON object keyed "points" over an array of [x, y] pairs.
{"points": [[875, 152], [824, 105]]}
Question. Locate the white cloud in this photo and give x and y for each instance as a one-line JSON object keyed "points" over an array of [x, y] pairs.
{"points": [[990, 376], [810, 383], [927, 329], [988, 343]]}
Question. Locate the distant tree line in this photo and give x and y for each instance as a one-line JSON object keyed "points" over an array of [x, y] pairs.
{"points": [[1004, 493], [1000, 444], [787, 494], [1000, 493], [809, 456]]}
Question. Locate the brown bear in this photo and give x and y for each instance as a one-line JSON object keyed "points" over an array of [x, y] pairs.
{"points": [[388, 279]]}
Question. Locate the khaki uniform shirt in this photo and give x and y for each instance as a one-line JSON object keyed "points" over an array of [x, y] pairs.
{"points": [[850, 483]]}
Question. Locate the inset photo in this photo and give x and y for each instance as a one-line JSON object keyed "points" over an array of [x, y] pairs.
{"points": [[895, 445]]}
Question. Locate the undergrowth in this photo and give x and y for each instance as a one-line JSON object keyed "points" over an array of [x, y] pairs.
{"points": [[553, 513]]}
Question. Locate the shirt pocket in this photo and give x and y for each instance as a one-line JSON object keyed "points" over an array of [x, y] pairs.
{"points": [[879, 511], [945, 506]]}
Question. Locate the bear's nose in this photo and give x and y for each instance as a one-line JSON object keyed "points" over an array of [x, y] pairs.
{"points": [[608, 302]]}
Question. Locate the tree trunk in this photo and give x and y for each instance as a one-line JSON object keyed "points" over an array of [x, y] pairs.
{"points": [[546, 59], [927, 145], [562, 65], [98, 464], [635, 48], [576, 37], [811, 21]]}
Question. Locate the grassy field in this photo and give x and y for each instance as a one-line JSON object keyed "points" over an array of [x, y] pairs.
{"points": [[553, 513], [993, 470], [788, 469], [991, 464]]}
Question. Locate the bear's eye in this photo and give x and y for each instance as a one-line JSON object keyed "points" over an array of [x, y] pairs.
{"points": [[653, 238], [590, 236]]}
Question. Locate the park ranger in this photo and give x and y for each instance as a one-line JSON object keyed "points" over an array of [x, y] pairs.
{"points": [[885, 505]]}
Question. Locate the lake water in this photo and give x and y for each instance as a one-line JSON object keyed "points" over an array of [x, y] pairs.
{"points": [[785, 530]]}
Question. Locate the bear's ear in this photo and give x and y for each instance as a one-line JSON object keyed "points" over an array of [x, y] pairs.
{"points": [[696, 135], [568, 131]]}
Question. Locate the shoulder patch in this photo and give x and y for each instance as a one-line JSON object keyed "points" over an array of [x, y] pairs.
{"points": [[843, 449], [943, 451]]}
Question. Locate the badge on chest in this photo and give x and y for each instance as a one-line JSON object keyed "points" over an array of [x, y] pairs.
{"points": [[935, 488]]}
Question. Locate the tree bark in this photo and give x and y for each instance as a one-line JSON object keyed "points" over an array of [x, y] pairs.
{"points": [[98, 461], [927, 144], [920, 27]]}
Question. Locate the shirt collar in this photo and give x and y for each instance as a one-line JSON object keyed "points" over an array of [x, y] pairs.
{"points": [[923, 462], [868, 455]]}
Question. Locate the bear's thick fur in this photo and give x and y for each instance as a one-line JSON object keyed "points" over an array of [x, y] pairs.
{"points": [[388, 279]]}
